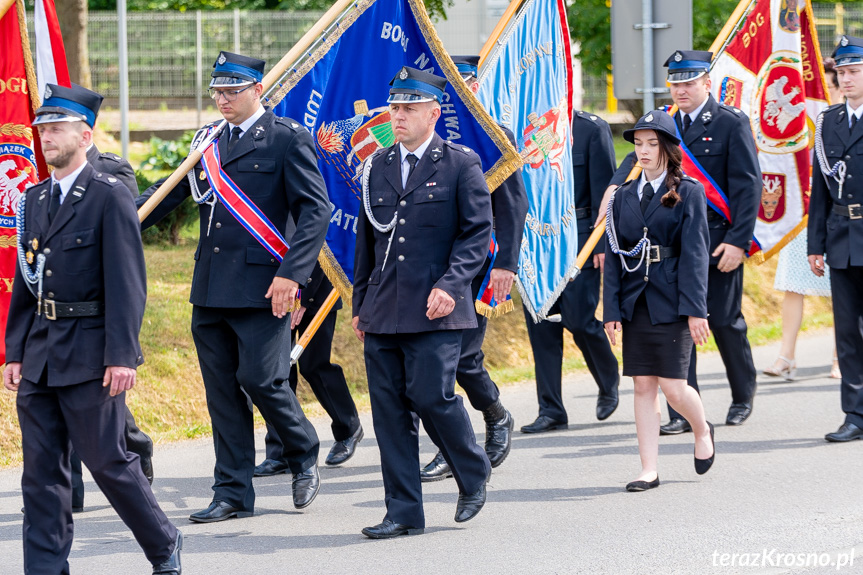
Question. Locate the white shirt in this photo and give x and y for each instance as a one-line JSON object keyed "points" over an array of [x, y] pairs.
{"points": [[247, 125], [851, 112], [694, 114], [655, 183], [418, 153], [66, 183]]}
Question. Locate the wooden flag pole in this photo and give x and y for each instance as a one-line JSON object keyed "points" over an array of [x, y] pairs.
{"points": [[319, 318], [498, 29], [268, 82]]}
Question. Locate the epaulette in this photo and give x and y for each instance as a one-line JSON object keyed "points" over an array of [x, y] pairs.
{"points": [[732, 109], [592, 117], [833, 107], [462, 149], [37, 186], [292, 124], [691, 179], [107, 178], [110, 156]]}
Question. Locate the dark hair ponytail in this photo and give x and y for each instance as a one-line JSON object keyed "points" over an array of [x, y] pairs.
{"points": [[673, 157]]}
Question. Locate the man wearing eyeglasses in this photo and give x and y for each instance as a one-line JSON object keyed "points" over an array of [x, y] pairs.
{"points": [[242, 289]]}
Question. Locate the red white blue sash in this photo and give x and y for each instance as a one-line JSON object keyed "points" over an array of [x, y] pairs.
{"points": [[240, 206]]}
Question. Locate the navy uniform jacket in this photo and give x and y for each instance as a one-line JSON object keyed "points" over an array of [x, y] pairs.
{"points": [[93, 253], [592, 169], [509, 208], [721, 140], [318, 287], [114, 165], [275, 164], [676, 287], [839, 237], [441, 240]]}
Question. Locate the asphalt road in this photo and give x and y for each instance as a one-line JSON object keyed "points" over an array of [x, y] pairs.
{"points": [[777, 498]]}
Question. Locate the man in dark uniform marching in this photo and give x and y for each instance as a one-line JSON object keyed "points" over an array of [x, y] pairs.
{"points": [[422, 236], [592, 168], [836, 227], [509, 209], [326, 379], [72, 341], [719, 138], [242, 294]]}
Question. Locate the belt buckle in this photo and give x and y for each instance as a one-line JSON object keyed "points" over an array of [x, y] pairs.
{"points": [[653, 254], [50, 305], [854, 212]]}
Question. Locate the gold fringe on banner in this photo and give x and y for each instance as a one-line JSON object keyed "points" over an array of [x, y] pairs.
{"points": [[32, 85], [483, 308], [333, 271]]}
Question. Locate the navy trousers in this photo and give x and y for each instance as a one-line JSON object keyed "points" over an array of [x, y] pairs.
{"points": [[577, 307], [847, 288], [241, 349], [412, 376], [84, 417]]}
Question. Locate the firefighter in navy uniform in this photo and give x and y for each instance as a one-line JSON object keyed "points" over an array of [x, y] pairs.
{"points": [[72, 341], [720, 139], [422, 237], [241, 294], [592, 168], [509, 209], [836, 226]]}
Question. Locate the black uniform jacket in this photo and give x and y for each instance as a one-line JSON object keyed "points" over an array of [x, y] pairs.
{"points": [[592, 169], [275, 165], [441, 240], [93, 254], [113, 165], [721, 140], [676, 287], [838, 236]]}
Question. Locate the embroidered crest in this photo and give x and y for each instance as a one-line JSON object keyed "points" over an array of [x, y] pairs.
{"points": [[678, 57], [403, 75], [48, 91], [222, 58], [648, 118], [844, 41]]}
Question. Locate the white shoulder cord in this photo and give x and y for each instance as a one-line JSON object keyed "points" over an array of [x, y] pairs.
{"points": [[32, 278], [207, 198], [642, 247], [837, 172], [390, 227]]}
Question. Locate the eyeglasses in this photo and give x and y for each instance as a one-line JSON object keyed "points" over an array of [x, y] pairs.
{"points": [[229, 95]]}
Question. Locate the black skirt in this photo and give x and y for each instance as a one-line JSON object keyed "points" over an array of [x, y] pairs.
{"points": [[663, 350]]}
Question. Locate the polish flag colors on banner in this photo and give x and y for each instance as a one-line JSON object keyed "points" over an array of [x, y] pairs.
{"points": [[771, 68], [51, 67]]}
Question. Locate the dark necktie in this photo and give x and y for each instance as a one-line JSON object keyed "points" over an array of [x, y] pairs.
{"points": [[54, 203], [646, 195], [235, 137], [853, 121], [687, 121], [412, 162]]}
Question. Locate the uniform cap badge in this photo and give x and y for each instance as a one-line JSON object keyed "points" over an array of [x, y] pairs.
{"points": [[222, 58], [48, 91], [648, 118], [678, 57], [844, 41], [403, 75]]}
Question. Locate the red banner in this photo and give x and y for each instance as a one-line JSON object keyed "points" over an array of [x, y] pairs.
{"points": [[17, 160]]}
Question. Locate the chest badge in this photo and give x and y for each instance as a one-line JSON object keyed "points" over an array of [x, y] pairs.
{"points": [[203, 176], [30, 258], [34, 243]]}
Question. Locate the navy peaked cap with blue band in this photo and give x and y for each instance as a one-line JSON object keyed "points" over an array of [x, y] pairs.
{"points": [[467, 65], [236, 70], [412, 85], [686, 65], [75, 104], [658, 121], [849, 51]]}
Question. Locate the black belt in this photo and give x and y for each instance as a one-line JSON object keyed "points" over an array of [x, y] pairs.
{"points": [[659, 253], [57, 309], [712, 215], [852, 212], [582, 213]]}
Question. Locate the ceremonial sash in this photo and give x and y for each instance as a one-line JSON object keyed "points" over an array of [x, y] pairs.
{"points": [[485, 303], [240, 206]]}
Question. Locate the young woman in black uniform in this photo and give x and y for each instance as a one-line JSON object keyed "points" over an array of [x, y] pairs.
{"points": [[655, 288]]}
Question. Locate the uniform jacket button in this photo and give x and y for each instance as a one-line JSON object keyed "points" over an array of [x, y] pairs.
{"points": [[78, 240], [309, 281], [403, 203], [51, 295], [401, 258], [431, 196], [46, 251], [256, 166], [402, 240], [402, 222], [216, 250], [218, 225], [49, 273], [311, 299]]}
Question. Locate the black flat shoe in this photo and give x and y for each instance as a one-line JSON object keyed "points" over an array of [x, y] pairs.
{"points": [[218, 511], [270, 467], [172, 566], [702, 466], [847, 432], [605, 406], [388, 530], [543, 424], [344, 450], [676, 426], [436, 470], [635, 486], [305, 486], [469, 506]]}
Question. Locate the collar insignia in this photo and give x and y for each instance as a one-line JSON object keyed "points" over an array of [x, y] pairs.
{"points": [[706, 116]]}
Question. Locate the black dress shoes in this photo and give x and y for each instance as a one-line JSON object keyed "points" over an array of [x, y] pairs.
{"points": [[218, 511], [344, 449], [305, 486], [271, 467], [543, 424], [388, 530], [676, 426], [172, 566], [498, 438], [469, 505], [605, 406], [436, 470], [147, 468], [635, 486], [702, 466], [738, 413], [847, 432]]}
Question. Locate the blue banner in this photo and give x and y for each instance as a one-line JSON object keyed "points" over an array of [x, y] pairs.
{"points": [[339, 93], [525, 85]]}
